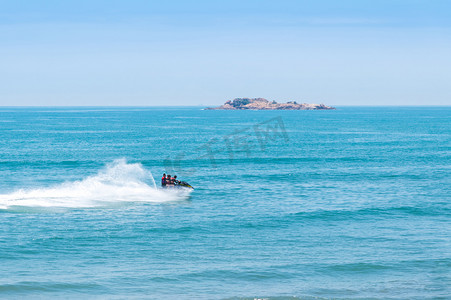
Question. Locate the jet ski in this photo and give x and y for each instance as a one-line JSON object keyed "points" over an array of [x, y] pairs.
{"points": [[183, 184], [179, 185]]}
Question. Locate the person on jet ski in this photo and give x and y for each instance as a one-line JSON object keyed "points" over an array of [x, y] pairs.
{"points": [[169, 181], [163, 180], [175, 180]]}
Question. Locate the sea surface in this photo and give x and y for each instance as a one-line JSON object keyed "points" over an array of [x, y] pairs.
{"points": [[353, 203]]}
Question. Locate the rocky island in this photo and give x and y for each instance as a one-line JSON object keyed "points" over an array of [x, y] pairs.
{"points": [[263, 104]]}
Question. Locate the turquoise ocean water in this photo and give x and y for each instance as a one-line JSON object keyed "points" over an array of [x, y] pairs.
{"points": [[351, 203]]}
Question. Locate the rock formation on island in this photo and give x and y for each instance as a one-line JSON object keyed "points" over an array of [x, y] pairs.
{"points": [[263, 104]]}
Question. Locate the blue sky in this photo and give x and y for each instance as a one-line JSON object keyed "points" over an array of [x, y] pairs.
{"points": [[136, 52]]}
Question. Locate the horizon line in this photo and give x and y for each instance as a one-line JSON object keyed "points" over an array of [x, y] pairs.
{"points": [[175, 106]]}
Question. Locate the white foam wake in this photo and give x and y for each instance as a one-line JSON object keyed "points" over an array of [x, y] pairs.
{"points": [[118, 182]]}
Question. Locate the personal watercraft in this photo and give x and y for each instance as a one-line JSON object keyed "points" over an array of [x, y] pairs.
{"points": [[179, 185], [183, 184]]}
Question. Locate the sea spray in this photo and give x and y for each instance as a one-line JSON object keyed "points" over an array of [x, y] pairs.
{"points": [[117, 183]]}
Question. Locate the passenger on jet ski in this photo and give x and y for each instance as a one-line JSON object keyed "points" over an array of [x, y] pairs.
{"points": [[169, 180], [163, 180]]}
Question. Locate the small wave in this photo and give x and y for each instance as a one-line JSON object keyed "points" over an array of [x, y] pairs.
{"points": [[27, 287], [277, 298], [334, 215], [374, 212], [117, 183]]}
